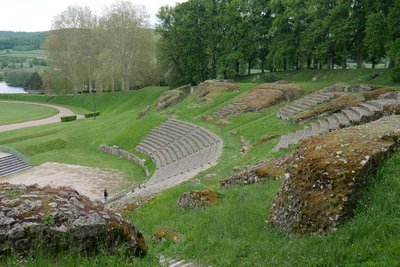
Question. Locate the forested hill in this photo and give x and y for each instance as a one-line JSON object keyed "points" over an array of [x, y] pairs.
{"points": [[22, 41]]}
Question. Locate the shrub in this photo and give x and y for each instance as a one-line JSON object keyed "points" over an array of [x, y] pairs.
{"points": [[270, 78], [68, 118], [90, 115], [396, 74]]}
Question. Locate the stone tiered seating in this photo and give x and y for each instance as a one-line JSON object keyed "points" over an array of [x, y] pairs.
{"points": [[304, 103], [230, 109], [10, 164], [179, 147], [344, 118]]}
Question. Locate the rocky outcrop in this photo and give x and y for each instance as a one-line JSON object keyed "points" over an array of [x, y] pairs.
{"points": [[59, 219], [210, 89], [262, 96], [356, 88], [269, 170], [142, 112], [197, 199], [170, 98], [327, 174]]}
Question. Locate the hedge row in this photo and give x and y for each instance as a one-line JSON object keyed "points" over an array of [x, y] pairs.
{"points": [[90, 115], [68, 118]]}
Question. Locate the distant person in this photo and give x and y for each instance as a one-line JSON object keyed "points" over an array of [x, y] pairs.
{"points": [[105, 195]]}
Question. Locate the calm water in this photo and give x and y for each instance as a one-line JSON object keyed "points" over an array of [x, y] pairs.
{"points": [[5, 89]]}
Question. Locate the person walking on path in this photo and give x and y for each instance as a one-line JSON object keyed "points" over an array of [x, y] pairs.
{"points": [[105, 195]]}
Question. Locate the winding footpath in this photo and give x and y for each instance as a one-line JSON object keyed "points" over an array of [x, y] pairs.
{"points": [[53, 119]]}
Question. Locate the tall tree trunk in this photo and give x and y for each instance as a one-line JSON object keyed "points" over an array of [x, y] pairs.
{"points": [[262, 66], [249, 69], [373, 63], [359, 62], [344, 64], [392, 64], [316, 63]]}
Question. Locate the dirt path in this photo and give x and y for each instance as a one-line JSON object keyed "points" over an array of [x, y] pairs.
{"points": [[56, 118], [86, 180]]}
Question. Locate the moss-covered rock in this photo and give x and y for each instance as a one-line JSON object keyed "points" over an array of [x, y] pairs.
{"points": [[269, 170], [197, 199], [210, 89], [171, 98], [327, 174], [60, 219]]}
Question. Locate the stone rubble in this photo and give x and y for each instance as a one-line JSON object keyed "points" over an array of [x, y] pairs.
{"points": [[61, 219], [327, 173]]}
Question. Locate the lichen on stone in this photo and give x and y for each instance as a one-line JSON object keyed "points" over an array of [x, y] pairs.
{"points": [[327, 173], [61, 219]]}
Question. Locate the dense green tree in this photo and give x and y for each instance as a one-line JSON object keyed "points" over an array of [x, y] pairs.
{"points": [[35, 82], [376, 37], [205, 39], [18, 77]]}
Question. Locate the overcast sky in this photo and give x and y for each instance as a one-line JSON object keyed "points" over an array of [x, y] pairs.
{"points": [[37, 15]]}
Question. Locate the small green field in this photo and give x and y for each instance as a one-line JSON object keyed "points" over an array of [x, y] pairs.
{"points": [[18, 112], [27, 54], [234, 231]]}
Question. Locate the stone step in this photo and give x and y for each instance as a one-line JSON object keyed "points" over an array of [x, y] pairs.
{"points": [[333, 122], [15, 166], [8, 161], [323, 126], [342, 119], [361, 112], [370, 108], [300, 105], [12, 164], [14, 170], [351, 115], [314, 128]]}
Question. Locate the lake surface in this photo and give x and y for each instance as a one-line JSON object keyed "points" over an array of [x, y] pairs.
{"points": [[5, 89]]}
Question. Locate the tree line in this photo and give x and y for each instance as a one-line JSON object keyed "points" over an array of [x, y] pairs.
{"points": [[114, 51], [21, 41], [202, 39]]}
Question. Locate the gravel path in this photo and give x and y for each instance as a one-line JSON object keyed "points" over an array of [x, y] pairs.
{"points": [[87, 181], [56, 118]]}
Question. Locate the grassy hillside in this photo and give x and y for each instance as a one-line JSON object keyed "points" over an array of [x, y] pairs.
{"points": [[234, 231], [21, 41], [116, 125]]}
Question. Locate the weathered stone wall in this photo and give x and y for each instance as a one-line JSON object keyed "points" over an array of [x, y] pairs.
{"points": [[58, 219], [116, 151], [327, 173]]}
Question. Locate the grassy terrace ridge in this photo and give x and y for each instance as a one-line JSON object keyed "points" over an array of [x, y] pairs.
{"points": [[234, 231], [20, 112]]}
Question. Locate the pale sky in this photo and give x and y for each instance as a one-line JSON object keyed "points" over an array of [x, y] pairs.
{"points": [[37, 15]]}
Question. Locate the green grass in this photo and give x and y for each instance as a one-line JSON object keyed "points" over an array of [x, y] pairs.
{"points": [[77, 142], [18, 112], [233, 231], [28, 54]]}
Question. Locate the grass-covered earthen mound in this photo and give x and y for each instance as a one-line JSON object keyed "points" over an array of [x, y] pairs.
{"points": [[210, 89], [327, 176], [338, 103], [267, 94], [61, 219]]}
